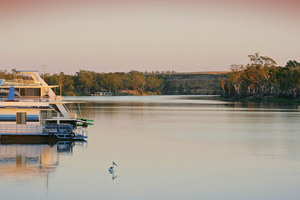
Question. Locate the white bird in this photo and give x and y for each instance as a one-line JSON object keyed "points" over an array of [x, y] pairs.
{"points": [[111, 169]]}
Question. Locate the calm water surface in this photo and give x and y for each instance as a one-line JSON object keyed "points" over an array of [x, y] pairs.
{"points": [[176, 147]]}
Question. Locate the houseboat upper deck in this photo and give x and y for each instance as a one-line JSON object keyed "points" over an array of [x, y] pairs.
{"points": [[31, 108]]}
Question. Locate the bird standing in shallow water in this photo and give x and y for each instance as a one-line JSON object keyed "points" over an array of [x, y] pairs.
{"points": [[111, 169]]}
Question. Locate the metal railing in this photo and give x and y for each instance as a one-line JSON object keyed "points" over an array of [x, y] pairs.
{"points": [[27, 99], [21, 82], [33, 100], [58, 128], [81, 131], [32, 97], [50, 115], [21, 129]]}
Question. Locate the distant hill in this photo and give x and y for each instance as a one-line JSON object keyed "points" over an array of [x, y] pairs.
{"points": [[196, 83]]}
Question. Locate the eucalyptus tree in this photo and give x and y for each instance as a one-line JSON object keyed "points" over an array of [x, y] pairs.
{"points": [[235, 78], [153, 83], [289, 79], [273, 82], [114, 82], [266, 61], [84, 80], [260, 73], [137, 81]]}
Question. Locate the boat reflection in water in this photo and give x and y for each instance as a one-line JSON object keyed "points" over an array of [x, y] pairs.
{"points": [[30, 161]]}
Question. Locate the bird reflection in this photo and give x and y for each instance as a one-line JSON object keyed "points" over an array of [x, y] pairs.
{"points": [[113, 177]]}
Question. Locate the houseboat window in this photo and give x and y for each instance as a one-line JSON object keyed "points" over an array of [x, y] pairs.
{"points": [[21, 118], [25, 92]]}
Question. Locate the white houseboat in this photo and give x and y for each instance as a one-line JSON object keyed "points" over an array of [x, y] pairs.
{"points": [[29, 109]]}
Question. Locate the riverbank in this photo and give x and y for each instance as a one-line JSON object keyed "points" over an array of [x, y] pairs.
{"points": [[264, 99], [151, 100]]}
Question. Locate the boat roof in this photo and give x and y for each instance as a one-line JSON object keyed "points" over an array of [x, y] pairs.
{"points": [[25, 104], [29, 86], [25, 108], [28, 71]]}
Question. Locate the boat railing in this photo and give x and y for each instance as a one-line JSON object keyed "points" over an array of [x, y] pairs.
{"points": [[50, 115], [58, 128], [81, 131], [21, 129], [21, 82], [32, 97]]}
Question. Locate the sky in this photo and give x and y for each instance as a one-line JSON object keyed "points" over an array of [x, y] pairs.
{"points": [[123, 35]]}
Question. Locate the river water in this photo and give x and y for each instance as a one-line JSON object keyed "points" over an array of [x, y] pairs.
{"points": [[166, 147]]}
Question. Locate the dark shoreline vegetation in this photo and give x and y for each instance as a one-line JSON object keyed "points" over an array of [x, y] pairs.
{"points": [[259, 81], [262, 80]]}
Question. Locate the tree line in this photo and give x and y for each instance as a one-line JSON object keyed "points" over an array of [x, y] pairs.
{"points": [[86, 82], [262, 78]]}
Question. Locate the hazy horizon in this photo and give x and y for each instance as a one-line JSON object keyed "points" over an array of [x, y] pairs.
{"points": [[111, 36]]}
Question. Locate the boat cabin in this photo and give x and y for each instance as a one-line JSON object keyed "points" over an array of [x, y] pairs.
{"points": [[27, 84]]}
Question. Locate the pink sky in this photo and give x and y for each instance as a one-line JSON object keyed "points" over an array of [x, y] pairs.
{"points": [[108, 35]]}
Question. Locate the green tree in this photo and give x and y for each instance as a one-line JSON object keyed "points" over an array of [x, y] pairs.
{"points": [[85, 81], [66, 83], [153, 83], [137, 81], [114, 82], [292, 63], [126, 81], [258, 78], [235, 78], [266, 61], [289, 79]]}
